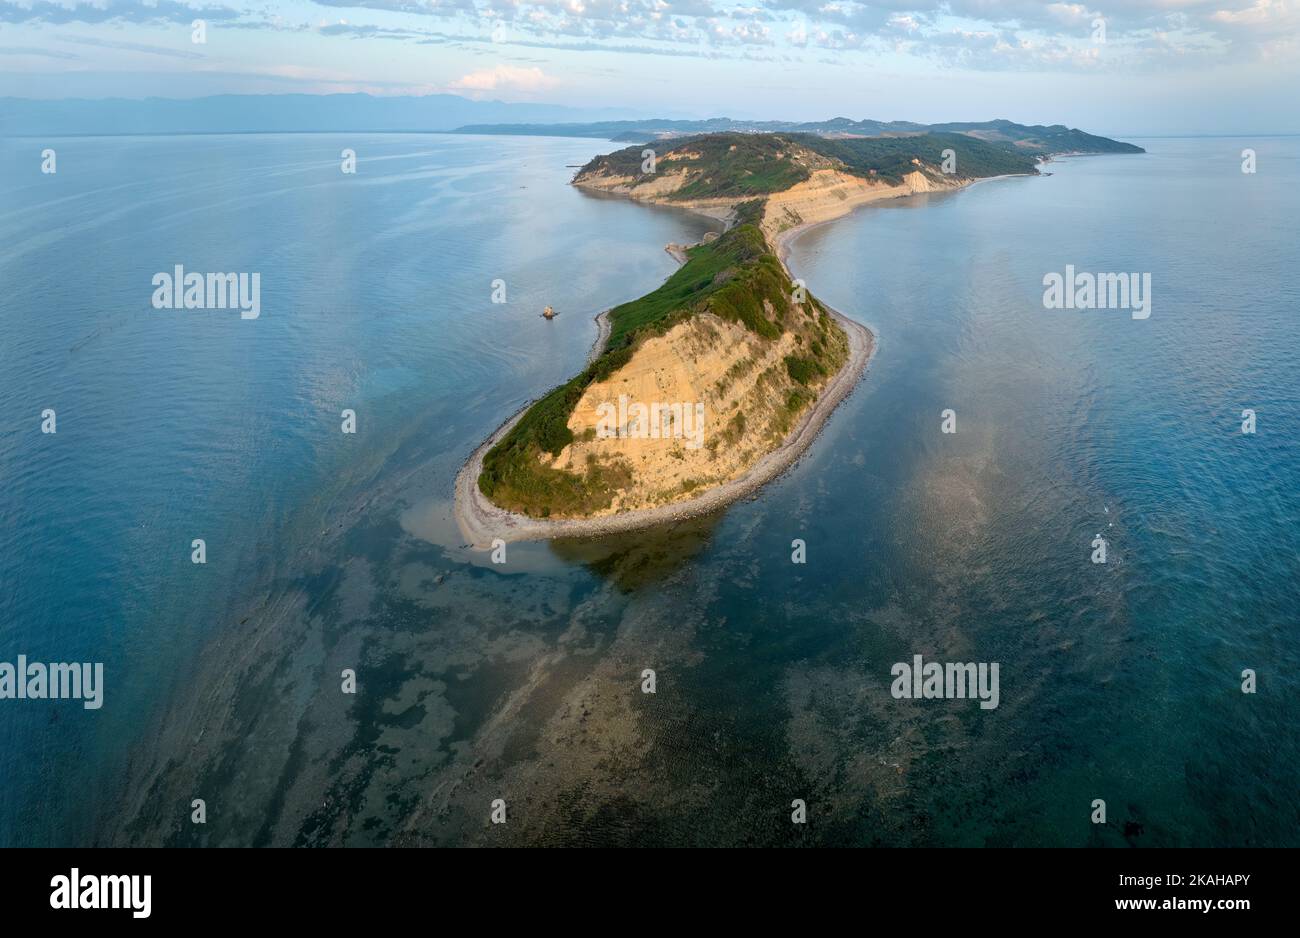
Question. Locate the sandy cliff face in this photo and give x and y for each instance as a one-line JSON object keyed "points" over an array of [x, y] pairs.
{"points": [[716, 396], [658, 189], [663, 183], [831, 193]]}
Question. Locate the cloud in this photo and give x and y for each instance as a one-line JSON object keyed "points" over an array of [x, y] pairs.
{"points": [[125, 11], [32, 50], [133, 47], [355, 31], [505, 78], [415, 7], [987, 34], [739, 34], [972, 34]]}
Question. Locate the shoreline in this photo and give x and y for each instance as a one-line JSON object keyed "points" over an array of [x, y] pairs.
{"points": [[481, 522], [781, 240], [603, 329]]}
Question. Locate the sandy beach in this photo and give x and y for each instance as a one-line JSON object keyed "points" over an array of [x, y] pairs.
{"points": [[481, 522], [603, 328]]}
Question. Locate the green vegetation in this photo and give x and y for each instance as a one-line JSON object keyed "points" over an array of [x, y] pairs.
{"points": [[1039, 138], [734, 274], [740, 165], [892, 157], [803, 370], [735, 428], [726, 165]]}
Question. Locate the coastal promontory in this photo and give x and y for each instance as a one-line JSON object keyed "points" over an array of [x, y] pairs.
{"points": [[717, 381]]}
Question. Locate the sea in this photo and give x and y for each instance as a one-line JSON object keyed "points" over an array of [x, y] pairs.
{"points": [[342, 669]]}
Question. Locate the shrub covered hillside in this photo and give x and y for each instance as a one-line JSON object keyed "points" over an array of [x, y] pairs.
{"points": [[719, 165], [790, 349], [892, 157], [736, 165]]}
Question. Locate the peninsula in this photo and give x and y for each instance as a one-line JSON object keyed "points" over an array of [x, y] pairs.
{"points": [[713, 384]]}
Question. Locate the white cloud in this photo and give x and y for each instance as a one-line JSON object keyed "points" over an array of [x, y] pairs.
{"points": [[505, 78]]}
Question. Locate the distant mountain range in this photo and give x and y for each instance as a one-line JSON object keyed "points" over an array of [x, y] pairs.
{"points": [[271, 113], [304, 113], [1036, 138]]}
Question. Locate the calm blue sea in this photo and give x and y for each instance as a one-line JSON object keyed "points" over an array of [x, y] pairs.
{"points": [[329, 551]]}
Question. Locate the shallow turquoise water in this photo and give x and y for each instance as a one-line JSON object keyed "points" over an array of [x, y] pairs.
{"points": [[329, 551]]}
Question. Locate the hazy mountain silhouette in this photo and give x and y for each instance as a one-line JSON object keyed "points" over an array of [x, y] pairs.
{"points": [[230, 113]]}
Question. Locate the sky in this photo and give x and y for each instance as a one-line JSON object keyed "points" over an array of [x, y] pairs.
{"points": [[1121, 68]]}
